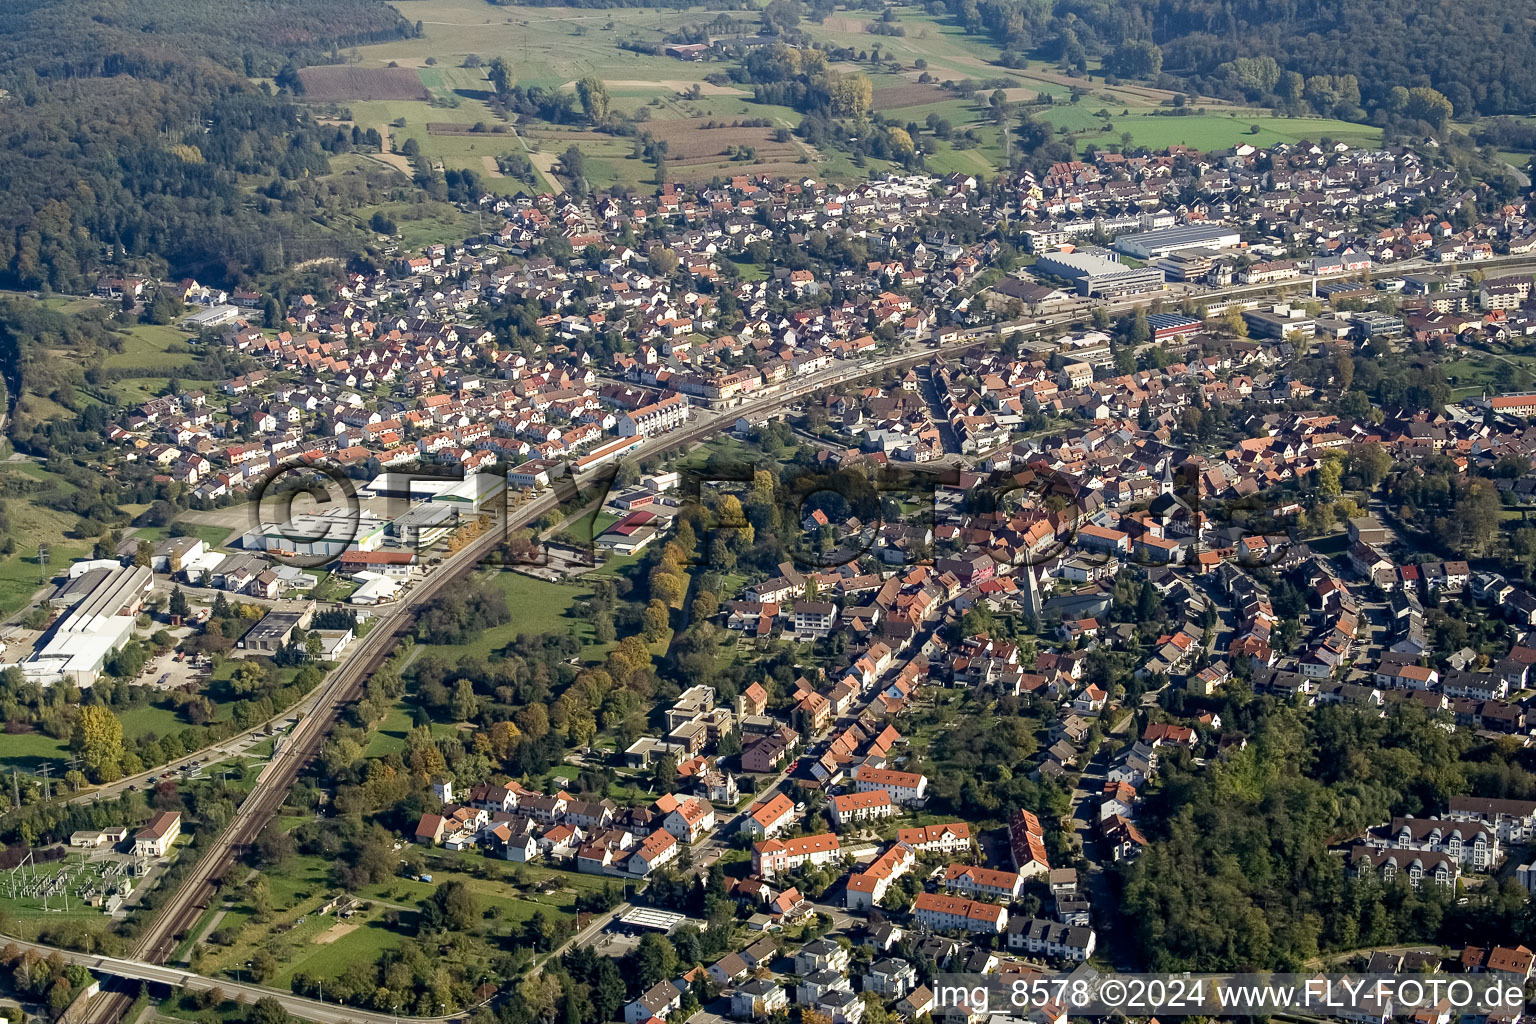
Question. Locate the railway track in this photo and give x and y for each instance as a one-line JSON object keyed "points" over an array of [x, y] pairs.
{"points": [[200, 888], [197, 892]]}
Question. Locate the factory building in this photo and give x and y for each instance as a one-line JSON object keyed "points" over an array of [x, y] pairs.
{"points": [[105, 604], [1151, 245], [1097, 273], [320, 534]]}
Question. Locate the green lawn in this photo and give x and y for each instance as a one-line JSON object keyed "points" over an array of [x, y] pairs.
{"points": [[537, 606], [152, 347], [1516, 159], [1213, 130], [368, 938], [213, 536], [150, 718], [325, 946], [134, 390], [389, 737], [423, 223], [30, 751], [1477, 372], [20, 574]]}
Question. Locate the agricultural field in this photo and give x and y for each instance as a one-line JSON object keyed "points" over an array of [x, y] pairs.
{"points": [[713, 129], [330, 83], [900, 94]]}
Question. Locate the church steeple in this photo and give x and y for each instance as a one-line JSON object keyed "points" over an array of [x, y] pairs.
{"points": [[1030, 592]]}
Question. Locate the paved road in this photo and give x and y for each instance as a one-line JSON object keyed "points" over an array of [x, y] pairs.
{"points": [[159, 938], [1085, 818], [266, 797], [175, 978]]}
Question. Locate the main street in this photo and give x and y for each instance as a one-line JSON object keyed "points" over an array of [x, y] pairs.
{"points": [[199, 886], [181, 908]]}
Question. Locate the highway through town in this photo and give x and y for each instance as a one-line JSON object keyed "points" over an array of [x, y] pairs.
{"points": [[910, 354], [198, 889]]}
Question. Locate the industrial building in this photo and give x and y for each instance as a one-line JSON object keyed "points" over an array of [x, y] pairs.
{"points": [[376, 588], [1172, 325], [1151, 245], [277, 627], [107, 600], [424, 525], [1283, 321], [320, 534], [1190, 265], [470, 492], [212, 317], [1098, 273]]}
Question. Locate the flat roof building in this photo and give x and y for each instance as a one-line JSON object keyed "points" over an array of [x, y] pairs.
{"points": [[1281, 322], [320, 534], [1151, 245], [100, 622], [424, 525], [276, 628], [213, 316], [1375, 325], [1098, 273]]}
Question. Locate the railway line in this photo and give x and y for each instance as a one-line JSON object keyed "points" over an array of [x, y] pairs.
{"points": [[197, 891]]}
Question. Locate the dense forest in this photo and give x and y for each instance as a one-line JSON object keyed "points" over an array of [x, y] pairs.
{"points": [[129, 127], [1240, 873], [1486, 65]]}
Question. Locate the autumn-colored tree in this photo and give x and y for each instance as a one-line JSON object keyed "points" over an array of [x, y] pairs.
{"points": [[99, 740], [428, 761], [705, 606], [663, 260], [851, 95], [534, 721], [654, 621], [593, 94], [668, 587], [502, 737]]}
